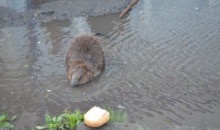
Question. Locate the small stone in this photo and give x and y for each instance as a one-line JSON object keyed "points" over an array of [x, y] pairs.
{"points": [[196, 8], [121, 107], [48, 90], [141, 12]]}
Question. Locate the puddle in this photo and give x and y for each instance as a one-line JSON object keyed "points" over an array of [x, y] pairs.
{"points": [[162, 65], [104, 24]]}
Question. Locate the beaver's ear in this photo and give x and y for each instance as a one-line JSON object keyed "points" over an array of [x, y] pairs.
{"points": [[76, 75]]}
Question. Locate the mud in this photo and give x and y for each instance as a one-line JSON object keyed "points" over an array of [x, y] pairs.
{"points": [[41, 11], [110, 126]]}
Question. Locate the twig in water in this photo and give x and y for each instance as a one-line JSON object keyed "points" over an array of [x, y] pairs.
{"points": [[134, 2]]}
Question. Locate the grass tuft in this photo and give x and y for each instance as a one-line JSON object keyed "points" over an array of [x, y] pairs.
{"points": [[66, 121], [5, 121], [117, 116]]}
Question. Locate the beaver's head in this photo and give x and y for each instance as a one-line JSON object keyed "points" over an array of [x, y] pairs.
{"points": [[79, 75]]}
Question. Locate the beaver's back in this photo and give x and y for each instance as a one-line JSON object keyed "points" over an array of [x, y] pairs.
{"points": [[86, 49]]}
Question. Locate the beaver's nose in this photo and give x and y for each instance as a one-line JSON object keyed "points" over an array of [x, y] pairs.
{"points": [[74, 81]]}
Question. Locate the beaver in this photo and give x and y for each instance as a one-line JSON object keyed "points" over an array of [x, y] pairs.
{"points": [[84, 60]]}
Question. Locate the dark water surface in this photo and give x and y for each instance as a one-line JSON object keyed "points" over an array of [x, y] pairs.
{"points": [[162, 65]]}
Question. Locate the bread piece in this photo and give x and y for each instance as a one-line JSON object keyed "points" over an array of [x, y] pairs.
{"points": [[96, 117]]}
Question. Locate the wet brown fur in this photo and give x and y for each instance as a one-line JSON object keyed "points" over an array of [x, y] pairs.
{"points": [[85, 52]]}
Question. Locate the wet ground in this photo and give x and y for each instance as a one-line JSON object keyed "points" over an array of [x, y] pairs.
{"points": [[162, 65]]}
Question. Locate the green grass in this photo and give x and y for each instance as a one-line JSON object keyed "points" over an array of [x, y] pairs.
{"points": [[5, 121], [117, 116], [66, 121], [71, 120]]}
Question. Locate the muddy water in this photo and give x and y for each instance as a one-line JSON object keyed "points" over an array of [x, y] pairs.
{"points": [[162, 66]]}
